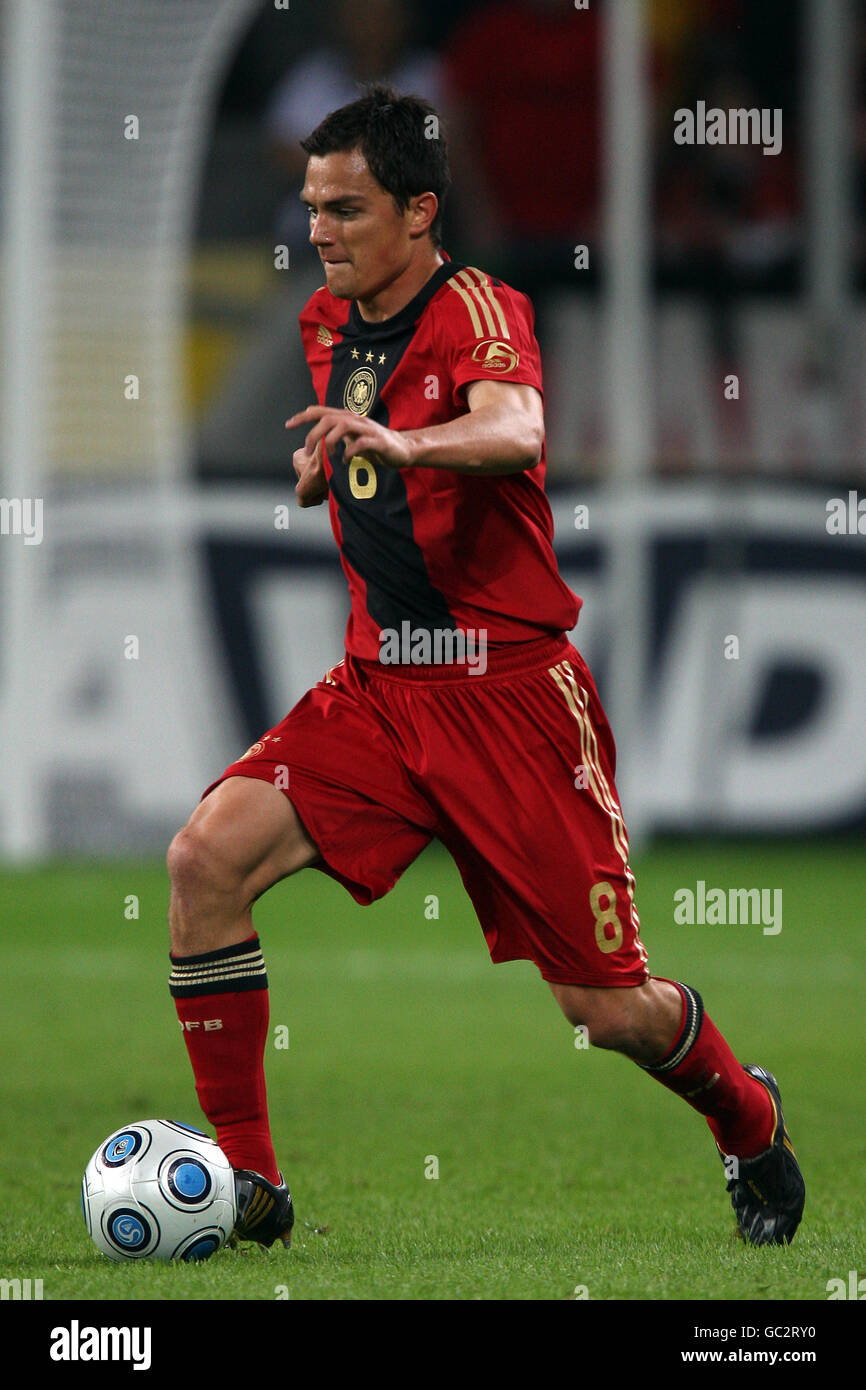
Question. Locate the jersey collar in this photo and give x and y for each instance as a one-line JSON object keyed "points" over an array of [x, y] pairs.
{"points": [[409, 314]]}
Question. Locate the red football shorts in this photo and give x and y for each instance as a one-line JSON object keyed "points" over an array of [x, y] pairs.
{"points": [[512, 770]]}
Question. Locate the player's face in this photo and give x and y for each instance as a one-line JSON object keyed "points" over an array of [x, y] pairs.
{"points": [[363, 241]]}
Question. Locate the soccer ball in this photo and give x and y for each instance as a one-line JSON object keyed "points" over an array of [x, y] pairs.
{"points": [[159, 1191]]}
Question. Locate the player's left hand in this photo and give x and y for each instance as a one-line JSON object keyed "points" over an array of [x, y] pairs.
{"points": [[361, 435]]}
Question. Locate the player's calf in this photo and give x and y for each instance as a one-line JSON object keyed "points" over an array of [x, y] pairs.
{"points": [[640, 1021]]}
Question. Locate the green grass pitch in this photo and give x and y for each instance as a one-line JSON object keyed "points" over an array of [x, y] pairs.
{"points": [[559, 1169]]}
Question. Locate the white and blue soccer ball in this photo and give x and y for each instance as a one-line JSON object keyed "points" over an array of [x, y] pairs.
{"points": [[158, 1190]]}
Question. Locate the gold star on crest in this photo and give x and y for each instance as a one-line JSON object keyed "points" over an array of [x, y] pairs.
{"points": [[369, 357], [381, 359], [355, 353]]}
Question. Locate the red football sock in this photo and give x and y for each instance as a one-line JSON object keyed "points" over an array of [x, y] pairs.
{"points": [[702, 1069], [221, 999]]}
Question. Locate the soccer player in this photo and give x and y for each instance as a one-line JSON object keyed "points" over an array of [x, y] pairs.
{"points": [[460, 710]]}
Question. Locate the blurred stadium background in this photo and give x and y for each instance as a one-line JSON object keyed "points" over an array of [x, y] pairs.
{"points": [[701, 318]]}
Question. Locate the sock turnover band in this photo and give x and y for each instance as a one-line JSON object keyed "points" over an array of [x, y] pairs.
{"points": [[693, 1017], [229, 970]]}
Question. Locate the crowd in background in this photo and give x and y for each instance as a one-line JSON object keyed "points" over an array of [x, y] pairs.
{"points": [[518, 82]]}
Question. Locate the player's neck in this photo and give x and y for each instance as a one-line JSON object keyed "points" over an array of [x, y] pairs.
{"points": [[401, 291]]}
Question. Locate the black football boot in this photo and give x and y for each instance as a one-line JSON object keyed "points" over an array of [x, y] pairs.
{"points": [[767, 1192]]}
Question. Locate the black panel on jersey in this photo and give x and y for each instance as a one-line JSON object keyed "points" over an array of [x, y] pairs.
{"points": [[378, 540]]}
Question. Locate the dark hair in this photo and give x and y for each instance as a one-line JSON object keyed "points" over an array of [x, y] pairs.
{"points": [[405, 149]]}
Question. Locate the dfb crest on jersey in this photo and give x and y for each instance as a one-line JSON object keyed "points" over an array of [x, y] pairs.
{"points": [[360, 390]]}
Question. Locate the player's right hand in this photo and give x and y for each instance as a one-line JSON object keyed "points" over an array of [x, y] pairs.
{"points": [[311, 488]]}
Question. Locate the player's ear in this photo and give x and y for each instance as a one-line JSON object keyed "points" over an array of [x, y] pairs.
{"points": [[422, 211]]}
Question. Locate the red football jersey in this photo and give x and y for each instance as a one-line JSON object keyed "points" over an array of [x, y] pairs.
{"points": [[435, 548]]}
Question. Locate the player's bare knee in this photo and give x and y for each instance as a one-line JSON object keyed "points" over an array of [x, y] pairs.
{"points": [[197, 869]]}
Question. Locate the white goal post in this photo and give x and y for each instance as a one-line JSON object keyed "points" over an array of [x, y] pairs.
{"points": [[105, 120]]}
